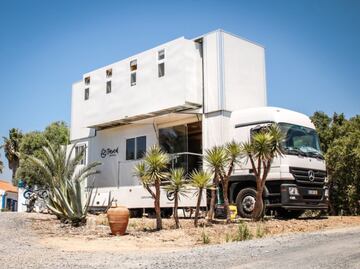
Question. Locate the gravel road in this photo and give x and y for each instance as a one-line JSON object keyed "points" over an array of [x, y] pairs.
{"points": [[340, 248]]}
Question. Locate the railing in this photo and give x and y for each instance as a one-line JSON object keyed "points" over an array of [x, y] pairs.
{"points": [[189, 161]]}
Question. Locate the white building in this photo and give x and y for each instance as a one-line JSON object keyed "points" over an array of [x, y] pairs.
{"points": [[179, 94], [8, 196]]}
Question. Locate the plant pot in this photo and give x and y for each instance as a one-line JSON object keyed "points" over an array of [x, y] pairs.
{"points": [[118, 217]]}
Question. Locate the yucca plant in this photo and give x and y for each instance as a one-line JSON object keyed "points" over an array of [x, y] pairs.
{"points": [[177, 186], [222, 160], [261, 150], [201, 180], [64, 181], [215, 159], [233, 153], [151, 171]]}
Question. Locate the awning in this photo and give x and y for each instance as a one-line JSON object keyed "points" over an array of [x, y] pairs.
{"points": [[131, 119]]}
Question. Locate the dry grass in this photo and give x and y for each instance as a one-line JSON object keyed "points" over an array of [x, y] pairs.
{"points": [[142, 236]]}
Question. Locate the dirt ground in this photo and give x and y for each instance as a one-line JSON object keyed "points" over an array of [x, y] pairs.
{"points": [[95, 235]]}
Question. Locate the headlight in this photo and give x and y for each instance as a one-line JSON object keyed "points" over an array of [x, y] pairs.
{"points": [[293, 191]]}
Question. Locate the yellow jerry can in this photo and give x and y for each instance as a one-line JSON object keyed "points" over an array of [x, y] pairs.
{"points": [[233, 211]]}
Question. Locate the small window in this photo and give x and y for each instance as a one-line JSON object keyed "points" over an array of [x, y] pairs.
{"points": [[133, 79], [87, 94], [81, 149], [161, 70], [108, 86], [109, 73], [87, 80], [133, 65], [161, 55], [140, 147], [130, 149]]}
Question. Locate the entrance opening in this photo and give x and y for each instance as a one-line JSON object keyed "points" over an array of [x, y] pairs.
{"points": [[184, 144]]}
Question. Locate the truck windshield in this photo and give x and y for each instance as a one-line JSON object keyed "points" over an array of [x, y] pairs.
{"points": [[300, 140]]}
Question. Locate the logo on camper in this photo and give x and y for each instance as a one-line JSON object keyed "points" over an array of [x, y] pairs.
{"points": [[109, 152]]}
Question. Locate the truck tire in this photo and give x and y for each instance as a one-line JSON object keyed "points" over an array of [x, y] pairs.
{"points": [[289, 214], [245, 202]]}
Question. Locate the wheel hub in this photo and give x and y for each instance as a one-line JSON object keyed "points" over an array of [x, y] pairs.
{"points": [[248, 203]]}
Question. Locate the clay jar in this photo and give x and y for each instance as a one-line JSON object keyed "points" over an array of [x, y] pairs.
{"points": [[118, 217]]}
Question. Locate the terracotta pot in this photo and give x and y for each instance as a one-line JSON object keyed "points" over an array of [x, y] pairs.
{"points": [[118, 217]]}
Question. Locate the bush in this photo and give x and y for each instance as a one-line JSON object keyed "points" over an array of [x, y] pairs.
{"points": [[205, 237], [243, 232]]}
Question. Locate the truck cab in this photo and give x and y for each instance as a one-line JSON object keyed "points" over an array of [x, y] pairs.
{"points": [[297, 179]]}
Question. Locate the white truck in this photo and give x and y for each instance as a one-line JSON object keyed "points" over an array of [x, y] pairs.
{"points": [[189, 95]]}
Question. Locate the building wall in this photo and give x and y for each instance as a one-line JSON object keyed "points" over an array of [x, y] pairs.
{"points": [[4, 196], [234, 79], [181, 84], [116, 170]]}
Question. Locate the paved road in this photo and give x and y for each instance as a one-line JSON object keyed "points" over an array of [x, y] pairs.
{"points": [[331, 249]]}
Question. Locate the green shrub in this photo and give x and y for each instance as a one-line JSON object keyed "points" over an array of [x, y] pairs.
{"points": [[243, 232], [205, 237], [260, 231]]}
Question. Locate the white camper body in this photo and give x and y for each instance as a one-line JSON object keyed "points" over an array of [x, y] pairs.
{"points": [[186, 95]]}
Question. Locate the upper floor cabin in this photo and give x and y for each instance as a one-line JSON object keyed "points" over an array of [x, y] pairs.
{"points": [[215, 72]]}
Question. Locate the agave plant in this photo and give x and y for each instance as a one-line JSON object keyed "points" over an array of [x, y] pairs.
{"points": [[200, 180], [177, 187], [151, 171], [64, 181]]}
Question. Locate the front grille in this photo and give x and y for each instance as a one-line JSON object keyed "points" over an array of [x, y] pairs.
{"points": [[301, 176]]}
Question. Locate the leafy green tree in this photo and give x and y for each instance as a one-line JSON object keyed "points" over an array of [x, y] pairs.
{"points": [[11, 148], [340, 141], [202, 181], [177, 186], [261, 150], [56, 133], [151, 171]]}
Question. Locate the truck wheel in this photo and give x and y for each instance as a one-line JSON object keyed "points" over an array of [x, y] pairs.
{"points": [[289, 214], [245, 202]]}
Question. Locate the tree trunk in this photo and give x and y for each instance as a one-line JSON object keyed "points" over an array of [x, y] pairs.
{"points": [[212, 205], [157, 205], [198, 208], [259, 204], [176, 217], [226, 201], [213, 198]]}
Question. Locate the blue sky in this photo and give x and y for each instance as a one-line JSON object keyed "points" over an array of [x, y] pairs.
{"points": [[312, 49]]}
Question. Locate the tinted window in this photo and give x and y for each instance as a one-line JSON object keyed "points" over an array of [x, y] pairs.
{"points": [[140, 147], [130, 149], [161, 70], [133, 79], [108, 87], [87, 94]]}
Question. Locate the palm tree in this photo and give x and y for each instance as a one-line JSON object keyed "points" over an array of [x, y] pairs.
{"points": [[177, 186], [215, 158], [64, 181], [200, 180], [1, 165], [151, 171], [261, 150], [11, 147]]}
